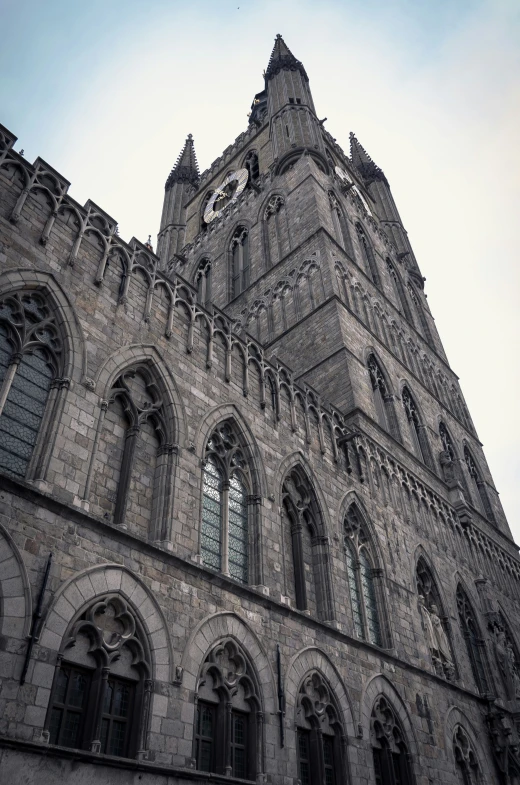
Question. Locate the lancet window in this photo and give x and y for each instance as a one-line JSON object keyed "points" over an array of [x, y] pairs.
{"points": [[468, 769], [362, 578], [435, 623], [136, 454], [203, 282], [311, 587], [101, 691], [392, 761], [228, 714], [276, 230], [416, 429], [251, 164], [382, 399], [478, 485], [475, 644], [319, 733], [400, 295], [226, 500], [240, 261], [367, 253], [31, 363], [340, 223]]}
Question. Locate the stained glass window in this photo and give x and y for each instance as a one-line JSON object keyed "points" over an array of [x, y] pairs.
{"points": [[369, 597], [355, 599], [23, 411], [211, 535], [238, 535]]}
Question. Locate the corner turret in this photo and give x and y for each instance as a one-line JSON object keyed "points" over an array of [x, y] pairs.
{"points": [[183, 177]]}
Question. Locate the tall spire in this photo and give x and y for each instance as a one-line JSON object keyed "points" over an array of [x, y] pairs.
{"points": [[186, 169], [282, 58], [363, 162]]}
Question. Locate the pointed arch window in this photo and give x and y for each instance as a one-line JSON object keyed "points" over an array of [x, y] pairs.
{"points": [[367, 253], [400, 295], [240, 261], [340, 223], [447, 442], [435, 623], [416, 429], [319, 733], [475, 644], [392, 761], [468, 769], [252, 166], [424, 327], [226, 498], [31, 362], [478, 485], [228, 723], [203, 282], [275, 230], [312, 588], [362, 579], [382, 399], [135, 454], [101, 690]]}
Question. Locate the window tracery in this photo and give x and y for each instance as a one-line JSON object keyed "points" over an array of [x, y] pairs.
{"points": [[434, 623], [360, 574], [31, 361], [226, 497], [465, 758], [229, 718], [389, 749], [240, 261], [474, 642], [101, 692], [319, 733]]}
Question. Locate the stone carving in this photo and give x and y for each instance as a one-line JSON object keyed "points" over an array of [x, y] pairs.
{"points": [[506, 657], [434, 626]]}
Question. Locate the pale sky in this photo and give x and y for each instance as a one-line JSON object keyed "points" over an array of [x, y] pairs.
{"points": [[107, 91]]}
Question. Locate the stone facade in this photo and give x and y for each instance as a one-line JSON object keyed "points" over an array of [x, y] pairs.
{"points": [[376, 613]]}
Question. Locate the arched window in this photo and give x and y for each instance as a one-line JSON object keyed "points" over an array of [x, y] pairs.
{"points": [[340, 224], [383, 401], [275, 230], [251, 164], [435, 623], [319, 733], [31, 362], [203, 282], [361, 578], [311, 579], [240, 262], [416, 429], [400, 295], [102, 685], [135, 454], [474, 642], [226, 496], [368, 255], [466, 761], [479, 486], [228, 721], [424, 327], [389, 749], [447, 442]]}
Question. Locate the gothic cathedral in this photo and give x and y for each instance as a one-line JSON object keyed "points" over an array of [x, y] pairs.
{"points": [[247, 529]]}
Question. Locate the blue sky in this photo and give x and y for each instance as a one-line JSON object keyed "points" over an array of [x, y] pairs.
{"points": [[107, 91]]}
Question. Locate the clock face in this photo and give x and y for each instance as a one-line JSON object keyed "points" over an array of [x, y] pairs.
{"points": [[227, 193]]}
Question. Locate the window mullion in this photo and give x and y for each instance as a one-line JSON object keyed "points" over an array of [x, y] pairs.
{"points": [[8, 379]]}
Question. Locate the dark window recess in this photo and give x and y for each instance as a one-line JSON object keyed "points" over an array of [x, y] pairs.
{"points": [[117, 712], [67, 717], [304, 761], [205, 737], [239, 745], [328, 760]]}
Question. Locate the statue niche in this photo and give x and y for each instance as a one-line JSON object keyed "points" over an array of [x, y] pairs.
{"points": [[434, 624]]}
